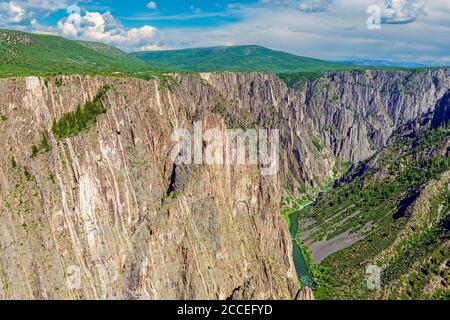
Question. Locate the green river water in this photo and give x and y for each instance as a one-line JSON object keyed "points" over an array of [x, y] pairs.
{"points": [[301, 266]]}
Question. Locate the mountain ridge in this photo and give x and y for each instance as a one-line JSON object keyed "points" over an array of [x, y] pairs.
{"points": [[242, 58], [26, 54], [44, 54]]}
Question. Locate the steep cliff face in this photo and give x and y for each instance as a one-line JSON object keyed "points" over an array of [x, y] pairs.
{"points": [[107, 214], [97, 206], [338, 118]]}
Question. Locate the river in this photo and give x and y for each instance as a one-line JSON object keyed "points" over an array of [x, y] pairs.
{"points": [[301, 266]]}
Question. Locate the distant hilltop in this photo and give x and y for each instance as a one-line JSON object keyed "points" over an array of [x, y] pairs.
{"points": [[24, 54], [237, 59]]}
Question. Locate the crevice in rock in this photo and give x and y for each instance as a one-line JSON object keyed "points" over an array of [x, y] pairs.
{"points": [[173, 179], [233, 293]]}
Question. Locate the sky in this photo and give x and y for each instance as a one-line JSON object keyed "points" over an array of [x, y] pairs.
{"points": [[396, 30]]}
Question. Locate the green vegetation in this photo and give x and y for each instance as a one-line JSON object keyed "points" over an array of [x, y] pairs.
{"points": [[29, 54], [13, 163], [27, 174], [298, 252], [318, 145], [44, 143], [236, 59], [307, 196], [25, 54], [407, 173], [111, 52], [375, 202], [51, 177], [34, 152], [82, 119], [292, 208], [341, 169], [299, 79], [232, 121], [291, 204], [418, 252], [43, 146], [166, 81], [3, 118], [320, 274]]}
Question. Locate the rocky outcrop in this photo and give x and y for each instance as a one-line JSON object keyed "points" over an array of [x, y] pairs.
{"points": [[107, 214], [305, 294]]}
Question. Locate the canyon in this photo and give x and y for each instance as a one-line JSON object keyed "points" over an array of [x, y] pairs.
{"points": [[106, 214]]}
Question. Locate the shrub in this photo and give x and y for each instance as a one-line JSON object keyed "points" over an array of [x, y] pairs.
{"points": [[44, 143], [34, 151], [82, 119]]}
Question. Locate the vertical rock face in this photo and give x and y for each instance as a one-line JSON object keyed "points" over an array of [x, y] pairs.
{"points": [[442, 112], [91, 216], [107, 214], [341, 117]]}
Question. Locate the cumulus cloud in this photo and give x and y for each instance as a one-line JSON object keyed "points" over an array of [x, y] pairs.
{"points": [[395, 11], [95, 26], [24, 12], [45, 5], [403, 11], [337, 34], [152, 5], [11, 12]]}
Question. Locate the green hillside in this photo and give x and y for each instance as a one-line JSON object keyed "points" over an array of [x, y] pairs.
{"points": [[23, 54], [237, 59], [398, 205], [110, 51]]}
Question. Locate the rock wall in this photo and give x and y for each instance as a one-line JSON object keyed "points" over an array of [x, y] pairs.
{"points": [[106, 214], [337, 118], [97, 205]]}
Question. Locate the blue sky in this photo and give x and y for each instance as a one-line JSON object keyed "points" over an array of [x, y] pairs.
{"points": [[410, 30]]}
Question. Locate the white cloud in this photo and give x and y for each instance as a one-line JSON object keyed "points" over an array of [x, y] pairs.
{"points": [[309, 6], [278, 2], [94, 26], [46, 5], [152, 5], [151, 47], [234, 6], [11, 12], [403, 11], [313, 6], [339, 33], [25, 12]]}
